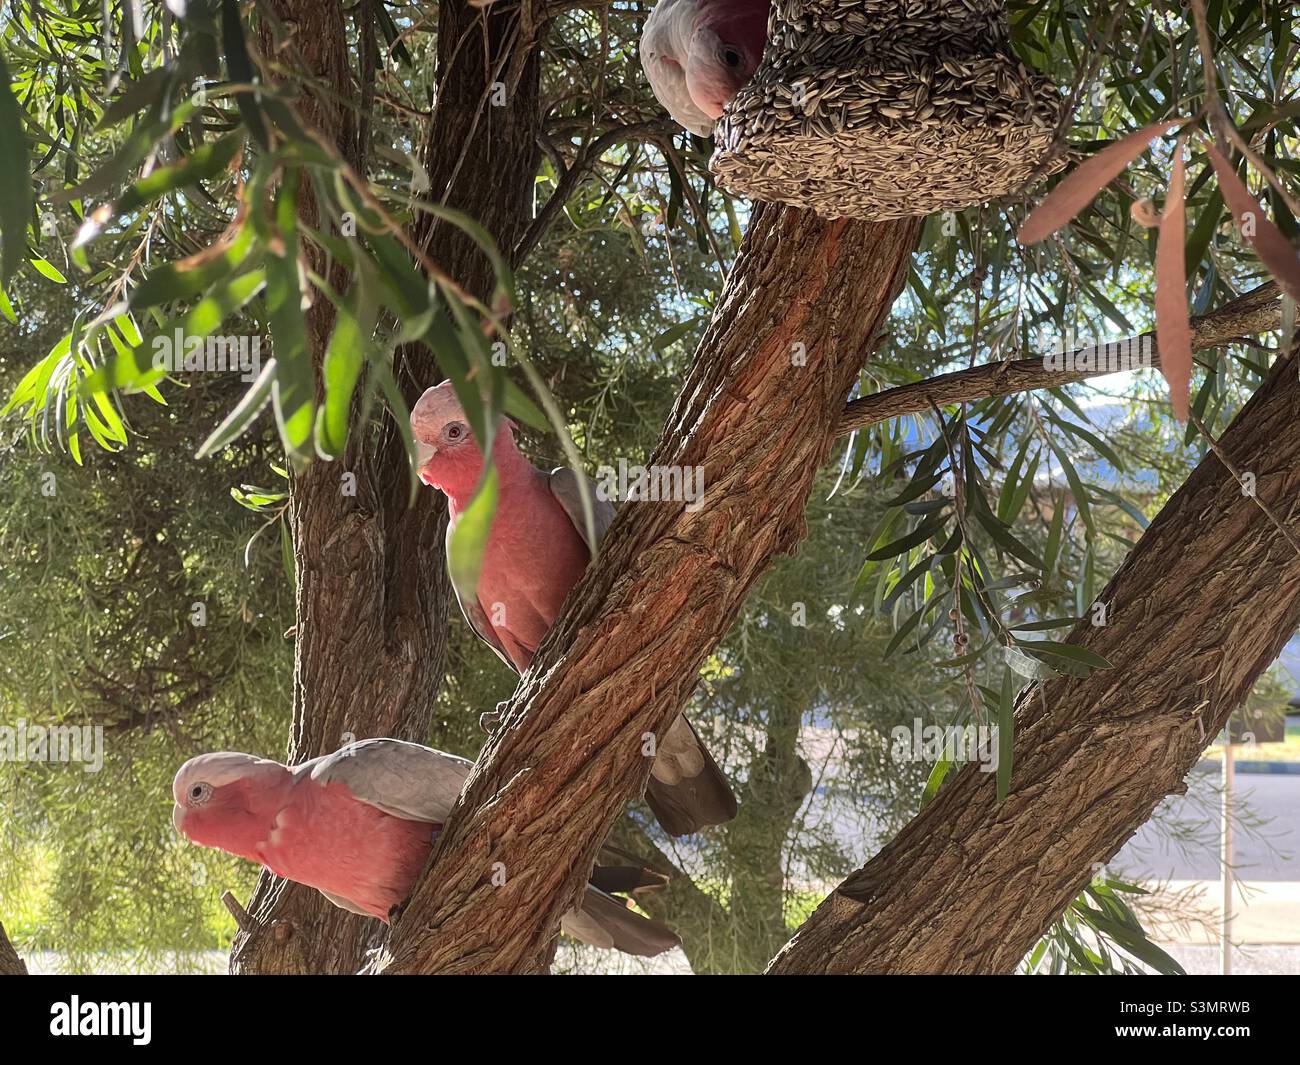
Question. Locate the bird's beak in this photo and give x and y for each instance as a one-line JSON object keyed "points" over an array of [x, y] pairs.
{"points": [[423, 454], [178, 815]]}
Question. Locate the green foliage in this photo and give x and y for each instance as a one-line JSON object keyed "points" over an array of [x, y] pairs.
{"points": [[1099, 935]]}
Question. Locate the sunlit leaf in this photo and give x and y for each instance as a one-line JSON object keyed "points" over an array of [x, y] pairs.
{"points": [[469, 539], [1173, 328]]}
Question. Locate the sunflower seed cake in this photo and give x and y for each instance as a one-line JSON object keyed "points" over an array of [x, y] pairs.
{"points": [[882, 109]]}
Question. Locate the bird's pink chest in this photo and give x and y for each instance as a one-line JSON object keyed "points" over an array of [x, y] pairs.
{"points": [[330, 840], [532, 557], [536, 550]]}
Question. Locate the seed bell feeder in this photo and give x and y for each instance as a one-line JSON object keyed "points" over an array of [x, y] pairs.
{"points": [[882, 109]]}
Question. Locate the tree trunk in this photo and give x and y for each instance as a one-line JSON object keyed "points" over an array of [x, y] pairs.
{"points": [[372, 580], [758, 410], [10, 963], [1200, 608], [779, 781]]}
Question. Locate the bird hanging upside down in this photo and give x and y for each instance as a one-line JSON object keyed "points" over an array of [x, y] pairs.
{"points": [[699, 53], [535, 552], [358, 825]]}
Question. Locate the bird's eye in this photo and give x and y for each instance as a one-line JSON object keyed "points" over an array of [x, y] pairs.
{"points": [[455, 431], [732, 57], [200, 793]]}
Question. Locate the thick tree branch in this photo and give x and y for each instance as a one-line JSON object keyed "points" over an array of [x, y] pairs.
{"points": [[1256, 312], [1201, 607], [758, 411]]}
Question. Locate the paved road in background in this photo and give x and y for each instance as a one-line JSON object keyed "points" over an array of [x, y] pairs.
{"points": [[1270, 851]]}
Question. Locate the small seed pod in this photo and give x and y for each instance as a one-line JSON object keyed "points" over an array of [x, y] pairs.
{"points": [[1144, 213]]}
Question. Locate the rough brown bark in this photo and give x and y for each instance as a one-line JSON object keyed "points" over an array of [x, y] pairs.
{"points": [[758, 410], [1255, 312], [1202, 605], [10, 963], [372, 579]]}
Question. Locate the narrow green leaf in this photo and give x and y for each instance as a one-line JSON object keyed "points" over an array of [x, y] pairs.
{"points": [[206, 161], [241, 68], [1001, 535], [1012, 481], [344, 358], [136, 371], [239, 419], [917, 536], [137, 95], [293, 396], [469, 539], [938, 773], [1076, 485], [1069, 651], [48, 270], [1039, 626], [170, 282]]}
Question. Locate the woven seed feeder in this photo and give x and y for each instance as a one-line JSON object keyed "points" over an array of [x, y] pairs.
{"points": [[886, 108]]}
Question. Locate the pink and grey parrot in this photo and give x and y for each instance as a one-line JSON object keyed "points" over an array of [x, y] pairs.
{"points": [[535, 552], [358, 825], [699, 53]]}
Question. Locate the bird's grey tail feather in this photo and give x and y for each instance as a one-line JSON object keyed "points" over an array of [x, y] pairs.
{"points": [[604, 921]]}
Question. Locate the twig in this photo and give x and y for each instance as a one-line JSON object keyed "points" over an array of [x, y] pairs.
{"points": [[570, 176], [242, 917]]}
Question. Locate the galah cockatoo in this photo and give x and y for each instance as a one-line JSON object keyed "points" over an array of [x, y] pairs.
{"points": [[699, 53], [358, 825], [535, 552]]}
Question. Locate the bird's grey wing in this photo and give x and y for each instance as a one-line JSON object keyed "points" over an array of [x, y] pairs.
{"points": [[564, 486], [604, 921], [474, 616], [403, 779], [344, 904]]}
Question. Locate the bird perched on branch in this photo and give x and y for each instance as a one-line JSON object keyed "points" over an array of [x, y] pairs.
{"points": [[699, 53], [358, 825], [537, 549]]}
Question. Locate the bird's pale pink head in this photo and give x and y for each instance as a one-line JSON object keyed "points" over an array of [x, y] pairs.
{"points": [[228, 800], [448, 456], [725, 50]]}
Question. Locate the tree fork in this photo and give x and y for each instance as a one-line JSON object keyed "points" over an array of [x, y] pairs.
{"points": [[1201, 607], [758, 411]]}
